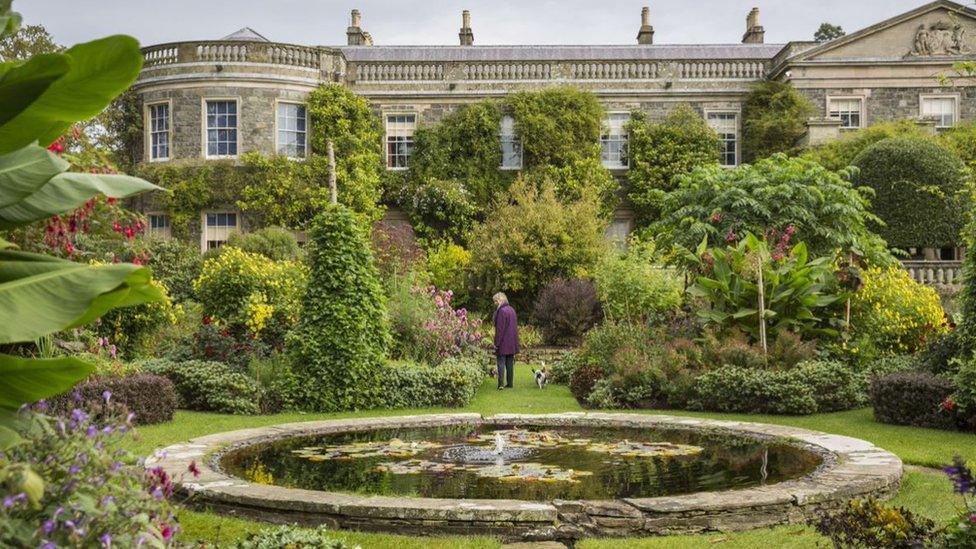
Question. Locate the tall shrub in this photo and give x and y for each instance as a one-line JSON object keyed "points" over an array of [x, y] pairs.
{"points": [[533, 239], [632, 286], [894, 313], [660, 152], [840, 153], [918, 187], [774, 116], [341, 340]]}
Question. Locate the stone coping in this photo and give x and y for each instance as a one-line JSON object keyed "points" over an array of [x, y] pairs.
{"points": [[851, 468]]}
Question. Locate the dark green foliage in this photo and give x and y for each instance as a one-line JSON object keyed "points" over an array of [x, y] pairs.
{"points": [[660, 152], [176, 265], [885, 365], [566, 309], [150, 397], [827, 32], [451, 383], [558, 126], [867, 523], [440, 209], [753, 391], [912, 398], [918, 186], [840, 153], [209, 386], [582, 380], [292, 537], [274, 243], [210, 342], [774, 117], [341, 340], [835, 385], [280, 387], [937, 356], [195, 187], [825, 210]]}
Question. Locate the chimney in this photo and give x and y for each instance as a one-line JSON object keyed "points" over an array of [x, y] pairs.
{"points": [[755, 34], [646, 33], [355, 35], [466, 35]]}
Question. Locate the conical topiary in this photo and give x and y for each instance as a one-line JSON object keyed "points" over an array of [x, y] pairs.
{"points": [[340, 342]]}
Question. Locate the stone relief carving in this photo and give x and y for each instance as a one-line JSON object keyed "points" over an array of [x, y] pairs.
{"points": [[939, 38]]}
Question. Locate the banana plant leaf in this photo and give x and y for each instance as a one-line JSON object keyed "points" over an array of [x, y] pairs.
{"points": [[98, 72], [26, 380], [40, 295], [9, 20], [34, 185], [22, 83]]}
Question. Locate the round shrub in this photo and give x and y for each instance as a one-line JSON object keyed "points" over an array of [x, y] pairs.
{"points": [[150, 398], [565, 310], [897, 314], [275, 243], [176, 265], [340, 343], [251, 294], [209, 386], [912, 398], [632, 287], [835, 386], [753, 391], [917, 185], [583, 379]]}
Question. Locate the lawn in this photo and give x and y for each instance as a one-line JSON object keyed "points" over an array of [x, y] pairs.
{"points": [[923, 491]]}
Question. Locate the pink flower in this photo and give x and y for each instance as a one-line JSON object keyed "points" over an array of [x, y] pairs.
{"points": [[57, 147], [731, 237], [948, 404]]}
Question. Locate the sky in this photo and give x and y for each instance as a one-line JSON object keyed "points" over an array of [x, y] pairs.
{"points": [[323, 22]]}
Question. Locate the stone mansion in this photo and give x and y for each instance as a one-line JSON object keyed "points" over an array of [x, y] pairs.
{"points": [[216, 99]]}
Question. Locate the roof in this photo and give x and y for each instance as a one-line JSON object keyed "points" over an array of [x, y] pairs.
{"points": [[557, 53], [246, 34]]}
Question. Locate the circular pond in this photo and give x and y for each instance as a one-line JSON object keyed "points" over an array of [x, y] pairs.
{"points": [[527, 463], [538, 477]]}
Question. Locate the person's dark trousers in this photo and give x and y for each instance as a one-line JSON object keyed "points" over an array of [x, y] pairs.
{"points": [[506, 365]]}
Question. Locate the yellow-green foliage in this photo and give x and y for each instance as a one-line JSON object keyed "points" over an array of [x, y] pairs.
{"points": [[447, 264], [894, 312], [632, 287], [839, 154], [250, 292], [130, 328]]}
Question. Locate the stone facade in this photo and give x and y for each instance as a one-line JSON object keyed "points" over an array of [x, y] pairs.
{"points": [[887, 67]]}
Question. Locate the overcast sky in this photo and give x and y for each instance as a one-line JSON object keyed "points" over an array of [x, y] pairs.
{"points": [[323, 22]]}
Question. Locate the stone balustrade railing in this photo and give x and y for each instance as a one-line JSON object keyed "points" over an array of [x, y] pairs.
{"points": [[378, 72], [220, 51], [507, 71], [935, 272]]}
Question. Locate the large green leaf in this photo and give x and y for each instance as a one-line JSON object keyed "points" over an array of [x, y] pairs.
{"points": [[67, 191], [100, 71], [9, 20], [26, 170], [22, 84], [41, 295], [26, 380]]}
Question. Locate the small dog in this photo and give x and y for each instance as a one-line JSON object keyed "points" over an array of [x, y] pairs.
{"points": [[542, 376]]}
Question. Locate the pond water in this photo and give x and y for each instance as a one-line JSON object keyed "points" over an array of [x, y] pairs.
{"points": [[534, 463]]}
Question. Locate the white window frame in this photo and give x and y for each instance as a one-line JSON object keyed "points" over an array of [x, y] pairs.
{"points": [[164, 232], [204, 137], [862, 112], [387, 136], [277, 130], [204, 227], [738, 133], [955, 107], [606, 137], [512, 138], [148, 130]]}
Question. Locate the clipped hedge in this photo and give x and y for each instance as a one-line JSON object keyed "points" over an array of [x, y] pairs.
{"points": [[835, 386], [209, 386], [452, 383], [753, 391], [150, 397], [917, 185], [912, 398], [340, 343]]}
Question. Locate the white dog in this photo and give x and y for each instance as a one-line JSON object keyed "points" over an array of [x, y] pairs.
{"points": [[542, 376]]}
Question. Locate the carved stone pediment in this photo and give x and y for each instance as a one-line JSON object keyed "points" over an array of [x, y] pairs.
{"points": [[939, 39]]}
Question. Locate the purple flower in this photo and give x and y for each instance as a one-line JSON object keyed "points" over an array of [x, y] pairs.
{"points": [[107, 396], [78, 415], [41, 406], [48, 526], [91, 431], [10, 501], [48, 545], [961, 476], [74, 470], [106, 539]]}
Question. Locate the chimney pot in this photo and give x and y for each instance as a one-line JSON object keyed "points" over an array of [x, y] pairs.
{"points": [[755, 34], [355, 35], [646, 33], [356, 19]]}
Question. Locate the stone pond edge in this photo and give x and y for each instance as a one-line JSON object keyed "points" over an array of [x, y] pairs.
{"points": [[852, 468]]}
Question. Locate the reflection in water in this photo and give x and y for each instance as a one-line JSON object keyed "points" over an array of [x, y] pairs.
{"points": [[529, 464]]}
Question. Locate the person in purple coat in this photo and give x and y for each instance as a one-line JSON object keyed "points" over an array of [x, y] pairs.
{"points": [[506, 340]]}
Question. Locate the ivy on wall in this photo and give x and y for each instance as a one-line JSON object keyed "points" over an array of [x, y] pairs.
{"points": [[193, 188], [774, 117]]}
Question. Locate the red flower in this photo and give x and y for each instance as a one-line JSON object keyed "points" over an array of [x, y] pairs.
{"points": [[111, 200], [731, 237], [194, 469], [57, 147], [117, 227], [166, 531], [948, 404]]}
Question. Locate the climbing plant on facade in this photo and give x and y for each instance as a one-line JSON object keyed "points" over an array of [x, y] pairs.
{"points": [[774, 116]]}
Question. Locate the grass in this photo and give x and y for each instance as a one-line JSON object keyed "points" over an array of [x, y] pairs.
{"points": [[923, 491]]}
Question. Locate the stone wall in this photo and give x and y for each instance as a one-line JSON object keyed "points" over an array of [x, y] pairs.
{"points": [[888, 104]]}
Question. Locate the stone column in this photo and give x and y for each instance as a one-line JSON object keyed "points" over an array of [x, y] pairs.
{"points": [[646, 33]]}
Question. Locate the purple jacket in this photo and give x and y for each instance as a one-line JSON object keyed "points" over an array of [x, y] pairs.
{"points": [[506, 331]]}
